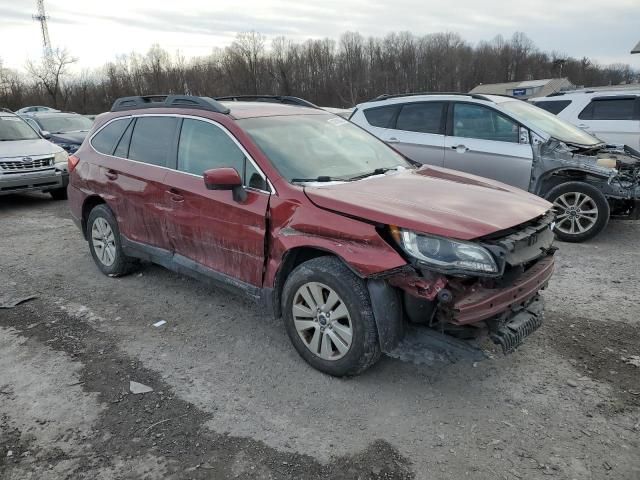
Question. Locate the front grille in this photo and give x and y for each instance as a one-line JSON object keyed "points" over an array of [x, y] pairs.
{"points": [[22, 166], [526, 242]]}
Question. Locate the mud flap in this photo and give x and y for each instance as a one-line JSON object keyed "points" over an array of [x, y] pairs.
{"points": [[387, 312], [511, 334]]}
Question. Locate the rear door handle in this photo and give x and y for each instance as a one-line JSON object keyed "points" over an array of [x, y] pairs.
{"points": [[460, 148], [393, 140], [175, 195], [111, 174]]}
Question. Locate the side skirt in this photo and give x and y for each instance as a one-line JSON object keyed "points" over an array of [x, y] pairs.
{"points": [[185, 266]]}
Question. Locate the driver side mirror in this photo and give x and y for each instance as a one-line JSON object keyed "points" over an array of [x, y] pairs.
{"points": [[225, 178], [46, 134]]}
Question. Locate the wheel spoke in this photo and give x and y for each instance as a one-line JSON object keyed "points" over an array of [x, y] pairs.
{"points": [[300, 311], [343, 332], [304, 325], [340, 344], [326, 351], [308, 298], [316, 294], [339, 312], [561, 202], [331, 301], [584, 200], [314, 344], [581, 229], [577, 199]]}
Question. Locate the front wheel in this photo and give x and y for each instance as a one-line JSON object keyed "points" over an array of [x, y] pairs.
{"points": [[582, 211], [328, 317]]}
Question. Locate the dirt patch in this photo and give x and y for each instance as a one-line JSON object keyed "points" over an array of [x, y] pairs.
{"points": [[607, 353], [158, 424]]}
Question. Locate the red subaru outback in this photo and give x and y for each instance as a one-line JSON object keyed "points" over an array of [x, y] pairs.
{"points": [[314, 218]]}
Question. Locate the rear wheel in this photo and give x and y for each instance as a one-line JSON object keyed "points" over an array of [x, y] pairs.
{"points": [[104, 243], [328, 317], [582, 211], [59, 193]]}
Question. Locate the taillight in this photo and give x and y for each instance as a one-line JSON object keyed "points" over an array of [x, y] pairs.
{"points": [[72, 162]]}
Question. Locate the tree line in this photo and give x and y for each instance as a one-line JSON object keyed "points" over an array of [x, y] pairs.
{"points": [[327, 72]]}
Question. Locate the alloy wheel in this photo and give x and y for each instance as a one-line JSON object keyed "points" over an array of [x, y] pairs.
{"points": [[322, 321], [104, 241], [578, 213]]}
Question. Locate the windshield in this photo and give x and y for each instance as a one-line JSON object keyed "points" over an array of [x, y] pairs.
{"points": [[65, 123], [549, 123], [311, 146], [14, 128]]}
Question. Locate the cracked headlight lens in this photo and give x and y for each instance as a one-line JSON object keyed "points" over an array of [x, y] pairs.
{"points": [[444, 254]]}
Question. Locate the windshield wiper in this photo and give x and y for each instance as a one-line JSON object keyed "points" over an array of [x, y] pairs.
{"points": [[377, 171], [321, 178]]}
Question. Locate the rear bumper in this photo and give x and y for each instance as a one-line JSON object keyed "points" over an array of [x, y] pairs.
{"points": [[484, 303], [25, 182]]}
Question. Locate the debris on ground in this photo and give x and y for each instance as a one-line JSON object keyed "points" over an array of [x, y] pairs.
{"points": [[159, 323], [138, 388], [11, 302]]}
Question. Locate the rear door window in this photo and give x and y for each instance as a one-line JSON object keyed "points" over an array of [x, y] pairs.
{"points": [[477, 121], [421, 117], [106, 139], [381, 116], [153, 139], [554, 107], [610, 109]]}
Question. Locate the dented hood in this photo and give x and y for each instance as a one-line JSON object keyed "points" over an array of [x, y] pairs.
{"points": [[432, 200]]}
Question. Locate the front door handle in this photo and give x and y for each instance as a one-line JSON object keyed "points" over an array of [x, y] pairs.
{"points": [[460, 148], [393, 140], [111, 174], [583, 126], [175, 195]]}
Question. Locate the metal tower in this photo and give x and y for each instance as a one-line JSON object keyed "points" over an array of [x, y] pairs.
{"points": [[42, 18]]}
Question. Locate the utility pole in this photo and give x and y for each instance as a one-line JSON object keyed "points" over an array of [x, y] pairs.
{"points": [[42, 17]]}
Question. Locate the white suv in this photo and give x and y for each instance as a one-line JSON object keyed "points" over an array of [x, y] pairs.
{"points": [[612, 116], [514, 142]]}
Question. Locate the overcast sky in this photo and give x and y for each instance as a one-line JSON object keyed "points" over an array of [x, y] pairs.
{"points": [[96, 31]]}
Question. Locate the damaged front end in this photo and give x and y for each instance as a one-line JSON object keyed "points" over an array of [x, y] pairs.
{"points": [[505, 303], [613, 169]]}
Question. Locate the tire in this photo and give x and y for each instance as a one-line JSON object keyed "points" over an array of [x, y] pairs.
{"points": [[318, 278], [111, 259], [574, 223], [59, 193]]}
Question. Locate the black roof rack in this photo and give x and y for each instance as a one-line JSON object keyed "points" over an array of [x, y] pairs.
{"points": [[386, 96], [286, 99], [168, 101]]}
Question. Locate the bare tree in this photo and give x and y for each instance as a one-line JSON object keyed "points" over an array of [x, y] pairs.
{"points": [[50, 71]]}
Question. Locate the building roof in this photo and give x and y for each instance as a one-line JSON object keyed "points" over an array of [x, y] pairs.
{"points": [[532, 88]]}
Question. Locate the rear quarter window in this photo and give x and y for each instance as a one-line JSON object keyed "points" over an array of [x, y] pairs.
{"points": [[554, 107], [381, 116], [106, 139], [153, 140]]}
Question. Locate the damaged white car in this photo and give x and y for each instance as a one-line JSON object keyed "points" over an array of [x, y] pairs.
{"points": [[517, 143]]}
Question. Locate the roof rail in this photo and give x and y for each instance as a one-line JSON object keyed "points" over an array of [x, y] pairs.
{"points": [[168, 101], [6, 110], [386, 96], [286, 99]]}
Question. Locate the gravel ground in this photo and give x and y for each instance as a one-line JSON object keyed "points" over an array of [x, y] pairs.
{"points": [[232, 399]]}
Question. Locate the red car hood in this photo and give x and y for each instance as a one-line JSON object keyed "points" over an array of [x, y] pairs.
{"points": [[432, 200]]}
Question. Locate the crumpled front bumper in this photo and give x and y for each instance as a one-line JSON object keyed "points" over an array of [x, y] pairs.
{"points": [[483, 303]]}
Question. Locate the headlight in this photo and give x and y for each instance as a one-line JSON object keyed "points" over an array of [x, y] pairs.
{"points": [[61, 157], [444, 254]]}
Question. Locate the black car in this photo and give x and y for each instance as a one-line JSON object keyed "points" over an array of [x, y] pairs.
{"points": [[65, 129]]}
